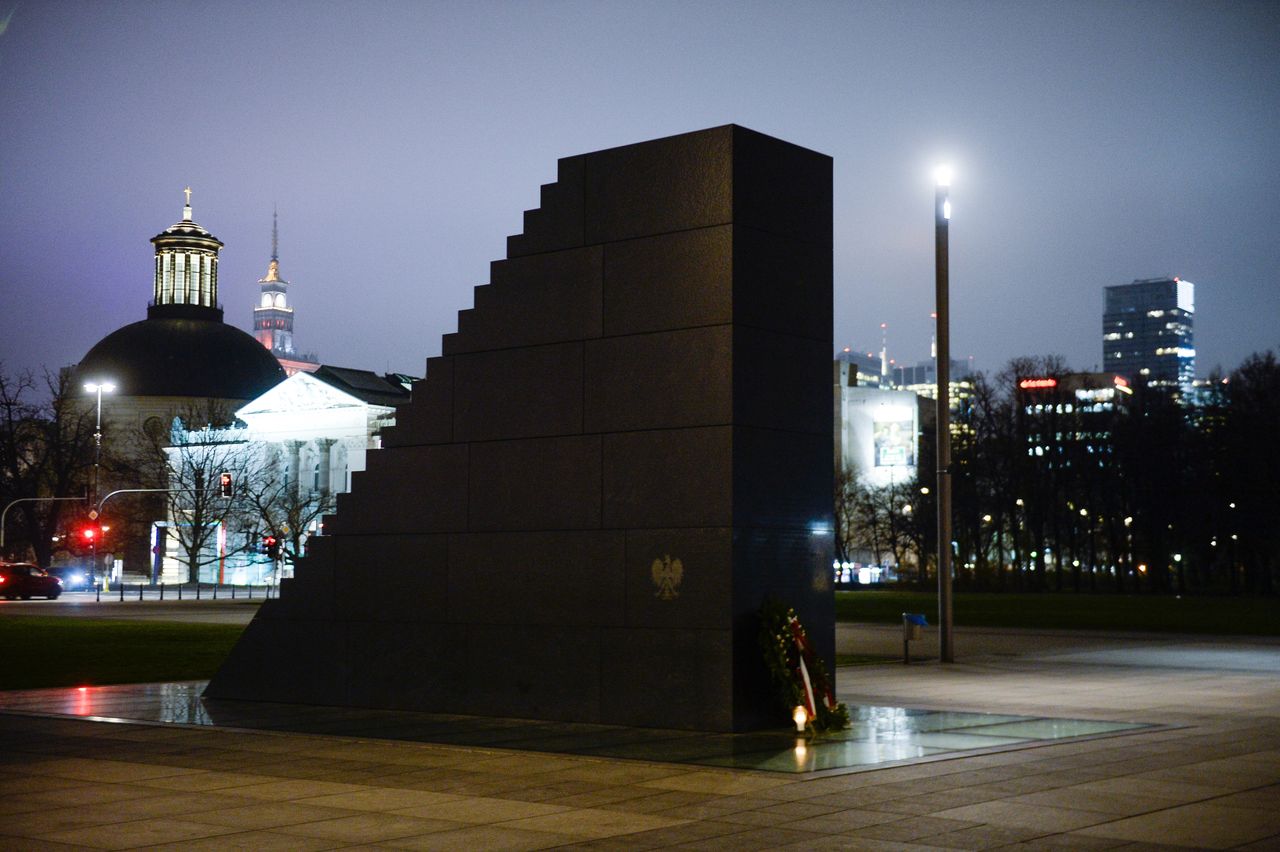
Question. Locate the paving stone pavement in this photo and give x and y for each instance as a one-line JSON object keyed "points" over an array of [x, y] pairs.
{"points": [[1208, 779]]}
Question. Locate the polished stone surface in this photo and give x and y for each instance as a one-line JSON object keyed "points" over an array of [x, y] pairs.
{"points": [[878, 735]]}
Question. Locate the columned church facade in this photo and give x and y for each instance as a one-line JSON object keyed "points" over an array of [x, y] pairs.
{"points": [[309, 434]]}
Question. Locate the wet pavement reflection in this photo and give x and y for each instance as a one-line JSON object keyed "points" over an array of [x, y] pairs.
{"points": [[878, 735]]}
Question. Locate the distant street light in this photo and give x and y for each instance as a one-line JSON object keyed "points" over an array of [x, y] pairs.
{"points": [[941, 220]]}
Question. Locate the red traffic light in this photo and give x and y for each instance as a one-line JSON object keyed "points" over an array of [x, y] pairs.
{"points": [[224, 484], [88, 536]]}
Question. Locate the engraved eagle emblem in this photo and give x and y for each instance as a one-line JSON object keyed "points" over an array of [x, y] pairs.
{"points": [[667, 573]]}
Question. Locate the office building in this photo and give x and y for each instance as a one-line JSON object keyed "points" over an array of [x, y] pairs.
{"points": [[1147, 332]]}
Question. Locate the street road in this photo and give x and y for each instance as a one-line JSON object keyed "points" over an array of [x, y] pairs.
{"points": [[82, 605]]}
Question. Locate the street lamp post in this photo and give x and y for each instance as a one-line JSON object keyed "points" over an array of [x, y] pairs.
{"points": [[941, 219], [97, 388]]}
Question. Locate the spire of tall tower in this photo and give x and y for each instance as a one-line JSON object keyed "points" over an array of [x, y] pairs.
{"points": [[272, 317], [273, 268], [186, 209]]}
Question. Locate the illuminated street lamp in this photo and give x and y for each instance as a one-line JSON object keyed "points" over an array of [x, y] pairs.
{"points": [[941, 220], [98, 389]]}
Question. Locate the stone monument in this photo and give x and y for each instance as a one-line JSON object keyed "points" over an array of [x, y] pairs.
{"points": [[623, 450]]}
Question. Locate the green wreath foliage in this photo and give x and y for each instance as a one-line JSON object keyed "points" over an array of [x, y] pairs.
{"points": [[782, 655]]}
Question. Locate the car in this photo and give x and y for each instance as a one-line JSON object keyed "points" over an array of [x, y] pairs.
{"points": [[27, 581], [73, 577]]}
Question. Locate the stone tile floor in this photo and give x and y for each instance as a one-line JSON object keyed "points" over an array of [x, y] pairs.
{"points": [[1209, 777]]}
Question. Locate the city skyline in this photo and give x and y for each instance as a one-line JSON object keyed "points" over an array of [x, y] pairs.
{"points": [[1094, 144]]}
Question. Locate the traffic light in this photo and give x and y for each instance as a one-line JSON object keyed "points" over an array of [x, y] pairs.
{"points": [[224, 484], [88, 537], [271, 545]]}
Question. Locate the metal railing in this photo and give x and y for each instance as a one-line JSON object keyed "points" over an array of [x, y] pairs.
{"points": [[185, 591]]}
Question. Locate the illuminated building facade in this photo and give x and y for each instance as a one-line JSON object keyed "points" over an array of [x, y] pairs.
{"points": [[311, 432], [1147, 332], [857, 368], [1068, 420], [876, 430], [273, 316]]}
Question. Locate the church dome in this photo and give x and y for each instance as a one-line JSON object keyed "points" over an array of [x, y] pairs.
{"points": [[183, 348], [182, 356]]}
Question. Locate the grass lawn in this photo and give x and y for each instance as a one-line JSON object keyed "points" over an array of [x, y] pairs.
{"points": [[1251, 616], [41, 651]]}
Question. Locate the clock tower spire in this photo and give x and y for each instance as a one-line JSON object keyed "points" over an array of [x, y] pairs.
{"points": [[272, 317]]}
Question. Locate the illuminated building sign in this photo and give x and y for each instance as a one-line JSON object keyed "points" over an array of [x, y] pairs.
{"points": [[895, 444], [1037, 384]]}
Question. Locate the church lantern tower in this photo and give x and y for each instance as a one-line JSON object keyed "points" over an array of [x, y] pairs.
{"points": [[272, 317], [186, 271]]}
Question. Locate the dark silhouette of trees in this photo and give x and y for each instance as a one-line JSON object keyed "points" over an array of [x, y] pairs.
{"points": [[46, 450], [1130, 491]]}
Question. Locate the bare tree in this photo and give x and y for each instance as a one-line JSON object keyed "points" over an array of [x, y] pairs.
{"points": [[189, 464], [846, 495], [280, 506], [46, 450]]}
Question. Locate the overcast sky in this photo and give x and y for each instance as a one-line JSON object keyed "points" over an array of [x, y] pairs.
{"points": [[1093, 143]]}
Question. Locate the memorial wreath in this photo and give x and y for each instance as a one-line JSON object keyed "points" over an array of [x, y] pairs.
{"points": [[797, 671]]}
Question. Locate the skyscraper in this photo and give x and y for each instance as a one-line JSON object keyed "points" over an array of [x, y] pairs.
{"points": [[1147, 332]]}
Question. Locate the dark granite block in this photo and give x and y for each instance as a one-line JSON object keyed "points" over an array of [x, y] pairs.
{"points": [[564, 578], [296, 662], [408, 490], [518, 393], [381, 578], [669, 478], [668, 678], [679, 578], [405, 665], [782, 380], [781, 188], [428, 416], [532, 672], [669, 281], [624, 449], [311, 592], [318, 548], [782, 283], [791, 565], [657, 187], [544, 298], [558, 223], [540, 483], [782, 479], [662, 380]]}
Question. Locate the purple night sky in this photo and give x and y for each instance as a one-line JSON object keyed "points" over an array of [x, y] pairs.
{"points": [[1093, 143]]}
